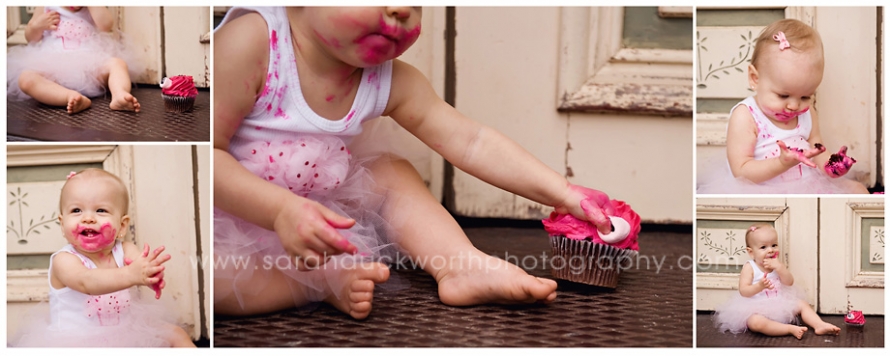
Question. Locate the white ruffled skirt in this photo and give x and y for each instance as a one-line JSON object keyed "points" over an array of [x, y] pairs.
{"points": [[319, 168], [146, 322], [782, 306], [78, 69], [718, 179]]}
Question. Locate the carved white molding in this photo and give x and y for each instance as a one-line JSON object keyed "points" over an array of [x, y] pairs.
{"points": [[856, 212]]}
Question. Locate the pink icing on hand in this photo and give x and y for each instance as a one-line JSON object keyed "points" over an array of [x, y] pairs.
{"points": [[573, 228], [803, 155], [91, 240], [839, 163]]}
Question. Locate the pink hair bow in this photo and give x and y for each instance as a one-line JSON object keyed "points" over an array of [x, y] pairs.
{"points": [[783, 43], [752, 228], [71, 174]]}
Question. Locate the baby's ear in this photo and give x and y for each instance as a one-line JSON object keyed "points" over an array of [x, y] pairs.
{"points": [[125, 224], [753, 77]]}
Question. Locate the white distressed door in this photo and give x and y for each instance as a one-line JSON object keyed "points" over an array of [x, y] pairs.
{"points": [[605, 111], [852, 252], [720, 243], [168, 206], [847, 99]]}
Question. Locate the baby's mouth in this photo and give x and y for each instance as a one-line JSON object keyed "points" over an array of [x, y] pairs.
{"points": [[87, 232]]}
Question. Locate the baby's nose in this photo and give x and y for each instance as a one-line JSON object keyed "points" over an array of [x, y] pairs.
{"points": [[793, 105], [399, 12]]}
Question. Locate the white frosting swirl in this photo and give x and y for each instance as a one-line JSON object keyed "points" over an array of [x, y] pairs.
{"points": [[622, 229]]}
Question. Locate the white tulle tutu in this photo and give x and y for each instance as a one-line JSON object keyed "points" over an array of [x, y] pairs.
{"points": [[146, 322], [317, 167], [718, 179], [783, 307], [76, 69]]}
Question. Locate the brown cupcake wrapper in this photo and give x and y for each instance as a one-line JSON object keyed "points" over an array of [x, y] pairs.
{"points": [[178, 103], [588, 262]]}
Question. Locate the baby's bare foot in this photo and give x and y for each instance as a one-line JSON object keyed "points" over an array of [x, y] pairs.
{"points": [[358, 288], [826, 329], [485, 279], [77, 102], [124, 102], [797, 331]]}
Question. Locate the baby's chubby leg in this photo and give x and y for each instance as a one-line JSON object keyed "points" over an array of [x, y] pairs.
{"points": [[179, 338], [275, 291], [118, 78], [50, 93], [763, 325], [812, 319], [435, 241]]}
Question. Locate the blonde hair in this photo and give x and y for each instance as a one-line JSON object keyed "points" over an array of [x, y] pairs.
{"points": [[800, 36], [753, 228], [96, 172]]}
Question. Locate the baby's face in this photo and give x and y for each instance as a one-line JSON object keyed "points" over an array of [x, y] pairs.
{"points": [[785, 81], [764, 244], [365, 36], [92, 215]]}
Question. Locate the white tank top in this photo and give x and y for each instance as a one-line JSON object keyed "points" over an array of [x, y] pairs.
{"points": [[767, 135], [74, 28], [281, 110], [71, 309]]}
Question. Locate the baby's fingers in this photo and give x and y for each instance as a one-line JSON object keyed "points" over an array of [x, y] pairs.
{"points": [[596, 215], [334, 243], [154, 254]]}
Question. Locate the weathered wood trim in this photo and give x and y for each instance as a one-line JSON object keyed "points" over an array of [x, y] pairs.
{"points": [[40, 155], [27, 286], [675, 11], [597, 75]]}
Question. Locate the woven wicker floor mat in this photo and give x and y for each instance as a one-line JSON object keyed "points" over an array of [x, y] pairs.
{"points": [[652, 306], [30, 120], [869, 335]]}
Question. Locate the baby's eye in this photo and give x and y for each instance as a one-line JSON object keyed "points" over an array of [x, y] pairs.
{"points": [[100, 210], [75, 210], [783, 96], [805, 98]]}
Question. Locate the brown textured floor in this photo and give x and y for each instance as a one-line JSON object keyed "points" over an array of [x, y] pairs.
{"points": [[869, 335], [31, 121], [652, 307]]}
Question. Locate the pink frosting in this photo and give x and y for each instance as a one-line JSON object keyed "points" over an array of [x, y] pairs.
{"points": [[180, 85], [576, 229]]}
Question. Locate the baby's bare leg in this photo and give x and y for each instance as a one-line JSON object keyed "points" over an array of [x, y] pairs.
{"points": [[279, 292], [119, 85], [812, 319], [179, 338], [763, 325], [50, 93], [466, 276]]}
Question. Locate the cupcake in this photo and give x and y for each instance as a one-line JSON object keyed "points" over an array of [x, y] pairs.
{"points": [[584, 255], [179, 93]]}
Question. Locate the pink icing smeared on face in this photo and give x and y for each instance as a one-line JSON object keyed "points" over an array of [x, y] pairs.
{"points": [[387, 43], [786, 116], [576, 229], [91, 240]]}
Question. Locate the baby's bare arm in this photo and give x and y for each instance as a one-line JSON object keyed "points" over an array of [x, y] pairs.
{"points": [[101, 17], [746, 289], [40, 21], [474, 148], [69, 271], [741, 138]]}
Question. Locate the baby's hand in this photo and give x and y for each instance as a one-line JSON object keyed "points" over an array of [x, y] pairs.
{"points": [[766, 283], [308, 230], [839, 163], [589, 205], [160, 284], [147, 269], [772, 263], [47, 21], [790, 156]]}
